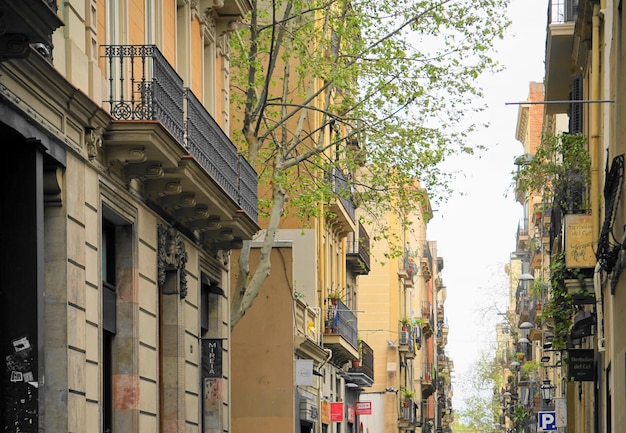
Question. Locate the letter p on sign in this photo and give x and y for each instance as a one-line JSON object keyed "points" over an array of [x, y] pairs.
{"points": [[546, 421]]}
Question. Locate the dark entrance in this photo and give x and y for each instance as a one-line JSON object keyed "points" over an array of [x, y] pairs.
{"points": [[21, 275]]}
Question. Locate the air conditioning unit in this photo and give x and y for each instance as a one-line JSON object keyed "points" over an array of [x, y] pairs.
{"points": [[405, 337]]}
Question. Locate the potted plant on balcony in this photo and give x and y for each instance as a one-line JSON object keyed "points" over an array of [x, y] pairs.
{"points": [[407, 396], [406, 323], [334, 296], [559, 170], [357, 362]]}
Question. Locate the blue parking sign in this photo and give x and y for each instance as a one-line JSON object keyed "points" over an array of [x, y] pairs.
{"points": [[546, 421]]}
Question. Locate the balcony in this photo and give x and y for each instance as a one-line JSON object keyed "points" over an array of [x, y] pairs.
{"points": [[407, 268], [440, 312], [340, 333], [308, 340], [408, 419], [341, 206], [525, 309], [428, 324], [358, 251], [165, 143], [427, 264], [363, 374], [26, 22], [428, 381], [523, 237], [559, 45], [407, 340]]}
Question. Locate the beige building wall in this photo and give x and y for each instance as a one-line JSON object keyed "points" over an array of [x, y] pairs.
{"points": [[156, 356], [263, 360]]}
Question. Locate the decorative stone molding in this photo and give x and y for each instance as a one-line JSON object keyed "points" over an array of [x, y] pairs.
{"points": [[224, 257], [93, 141], [14, 46], [172, 256], [52, 185]]}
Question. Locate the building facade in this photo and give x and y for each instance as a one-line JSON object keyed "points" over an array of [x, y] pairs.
{"points": [[118, 222], [584, 89], [404, 321]]}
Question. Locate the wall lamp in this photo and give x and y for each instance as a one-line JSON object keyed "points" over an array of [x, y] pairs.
{"points": [[546, 390]]}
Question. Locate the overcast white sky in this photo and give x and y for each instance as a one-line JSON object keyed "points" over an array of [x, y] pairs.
{"points": [[476, 232]]}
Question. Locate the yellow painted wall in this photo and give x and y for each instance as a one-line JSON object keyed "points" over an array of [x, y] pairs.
{"points": [[101, 28], [136, 22], [169, 31], [197, 47]]}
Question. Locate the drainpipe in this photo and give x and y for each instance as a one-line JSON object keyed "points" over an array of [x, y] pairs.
{"points": [[594, 123], [594, 150]]}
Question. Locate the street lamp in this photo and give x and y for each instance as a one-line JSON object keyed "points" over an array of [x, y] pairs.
{"points": [[526, 325], [546, 390], [526, 277]]}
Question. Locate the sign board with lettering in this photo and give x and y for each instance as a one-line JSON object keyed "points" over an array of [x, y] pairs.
{"points": [[363, 407], [325, 412], [581, 365], [546, 421], [336, 412], [579, 241], [304, 372], [351, 414], [212, 358]]}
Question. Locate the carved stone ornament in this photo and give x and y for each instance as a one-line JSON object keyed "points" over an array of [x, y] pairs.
{"points": [[224, 257], [93, 140], [172, 256]]}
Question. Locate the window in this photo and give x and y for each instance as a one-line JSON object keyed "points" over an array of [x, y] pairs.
{"points": [[116, 247], [205, 289], [109, 327]]}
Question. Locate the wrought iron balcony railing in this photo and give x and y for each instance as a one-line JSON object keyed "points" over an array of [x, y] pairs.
{"points": [[341, 320], [342, 189], [363, 373], [144, 86], [358, 251], [562, 11]]}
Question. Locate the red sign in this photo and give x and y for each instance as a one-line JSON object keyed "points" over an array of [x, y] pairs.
{"points": [[336, 412], [363, 407], [351, 414]]}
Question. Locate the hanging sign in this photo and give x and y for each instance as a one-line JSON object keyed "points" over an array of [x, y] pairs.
{"points": [[336, 412], [581, 365], [212, 358], [579, 241]]}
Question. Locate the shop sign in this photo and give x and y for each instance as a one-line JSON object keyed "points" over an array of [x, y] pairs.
{"points": [[581, 365], [579, 241], [336, 412], [363, 407]]}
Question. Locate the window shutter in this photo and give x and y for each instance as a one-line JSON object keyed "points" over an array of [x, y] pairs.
{"points": [[576, 110]]}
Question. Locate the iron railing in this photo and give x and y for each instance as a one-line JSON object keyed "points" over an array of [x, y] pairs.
{"points": [[367, 360], [358, 244], [343, 321], [428, 372], [342, 189], [144, 86], [562, 11]]}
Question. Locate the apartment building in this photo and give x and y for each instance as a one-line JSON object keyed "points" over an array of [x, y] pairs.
{"points": [[584, 235], [124, 197], [404, 321]]}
